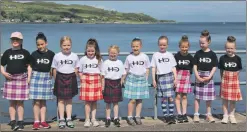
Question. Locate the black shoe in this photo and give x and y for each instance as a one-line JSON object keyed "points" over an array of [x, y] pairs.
{"points": [[171, 119], [107, 122], [185, 119], [180, 118], [20, 124], [138, 120], [13, 125], [165, 119], [131, 121], [116, 122]]}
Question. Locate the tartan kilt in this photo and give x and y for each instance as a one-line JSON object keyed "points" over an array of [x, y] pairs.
{"points": [[183, 82], [113, 91], [66, 86], [165, 85], [136, 87], [41, 86], [230, 87], [17, 88], [204, 90], [91, 87]]}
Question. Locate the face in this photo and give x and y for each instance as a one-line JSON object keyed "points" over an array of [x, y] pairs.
{"points": [[230, 48], [90, 51], [204, 44], [16, 42], [184, 47], [136, 47], [41, 44], [66, 46], [113, 53], [163, 45]]}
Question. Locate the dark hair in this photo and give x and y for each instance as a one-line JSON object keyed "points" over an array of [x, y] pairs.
{"points": [[162, 37], [184, 39], [41, 36], [93, 42], [136, 39], [206, 34], [231, 39]]}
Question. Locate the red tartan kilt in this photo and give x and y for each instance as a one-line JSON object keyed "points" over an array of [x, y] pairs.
{"points": [[113, 91], [91, 87], [230, 88]]}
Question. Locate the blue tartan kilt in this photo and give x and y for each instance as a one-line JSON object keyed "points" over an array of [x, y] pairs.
{"points": [[165, 85], [136, 87], [41, 86]]}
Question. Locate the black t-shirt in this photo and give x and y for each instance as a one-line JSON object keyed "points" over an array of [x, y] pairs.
{"points": [[41, 62], [16, 60], [230, 63], [205, 61], [184, 62]]}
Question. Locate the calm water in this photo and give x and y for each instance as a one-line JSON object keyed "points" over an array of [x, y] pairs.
{"points": [[108, 34]]}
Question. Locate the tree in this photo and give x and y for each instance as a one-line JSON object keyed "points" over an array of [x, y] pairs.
{"points": [[3, 14]]}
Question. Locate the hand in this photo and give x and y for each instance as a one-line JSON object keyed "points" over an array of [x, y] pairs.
{"points": [[154, 84], [7, 75], [175, 83], [28, 80], [206, 79], [122, 82], [200, 79]]}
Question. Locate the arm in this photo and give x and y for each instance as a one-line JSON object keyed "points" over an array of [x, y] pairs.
{"points": [[174, 70], [196, 74], [147, 73], [54, 73], [221, 73], [7, 75], [29, 73], [103, 82], [154, 77]]}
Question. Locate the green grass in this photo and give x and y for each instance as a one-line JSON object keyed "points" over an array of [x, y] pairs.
{"points": [[55, 12]]}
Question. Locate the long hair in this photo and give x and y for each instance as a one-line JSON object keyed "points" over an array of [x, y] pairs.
{"points": [[93, 43]]}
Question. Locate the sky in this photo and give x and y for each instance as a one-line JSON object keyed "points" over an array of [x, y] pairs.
{"points": [[180, 11]]}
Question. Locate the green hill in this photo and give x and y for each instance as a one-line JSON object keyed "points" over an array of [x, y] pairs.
{"points": [[53, 12]]}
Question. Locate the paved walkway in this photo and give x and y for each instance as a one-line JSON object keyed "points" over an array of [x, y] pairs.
{"points": [[149, 124]]}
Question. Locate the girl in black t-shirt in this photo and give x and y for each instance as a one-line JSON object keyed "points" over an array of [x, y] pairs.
{"points": [[185, 63], [204, 68], [230, 65], [41, 81], [16, 60]]}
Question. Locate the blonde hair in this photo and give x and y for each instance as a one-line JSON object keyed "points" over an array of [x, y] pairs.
{"points": [[65, 38], [114, 47]]}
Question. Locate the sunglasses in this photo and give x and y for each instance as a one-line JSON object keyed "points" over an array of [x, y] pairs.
{"points": [[15, 39]]}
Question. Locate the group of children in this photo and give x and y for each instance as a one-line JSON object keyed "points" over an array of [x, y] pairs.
{"points": [[30, 77]]}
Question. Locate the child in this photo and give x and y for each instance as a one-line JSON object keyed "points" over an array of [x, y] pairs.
{"points": [[113, 70], [164, 65], [17, 77], [41, 81], [204, 68], [230, 65], [91, 85], [185, 63], [65, 64], [136, 86]]}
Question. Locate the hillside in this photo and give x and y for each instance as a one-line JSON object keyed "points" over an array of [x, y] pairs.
{"points": [[53, 12]]}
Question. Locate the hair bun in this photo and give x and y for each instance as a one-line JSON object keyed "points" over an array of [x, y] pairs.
{"points": [[231, 39], [40, 34], [205, 33], [184, 37]]}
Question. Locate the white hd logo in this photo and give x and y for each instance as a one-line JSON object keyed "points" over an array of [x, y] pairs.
{"points": [[205, 60], [44, 61], [11, 57], [231, 64], [184, 62]]}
